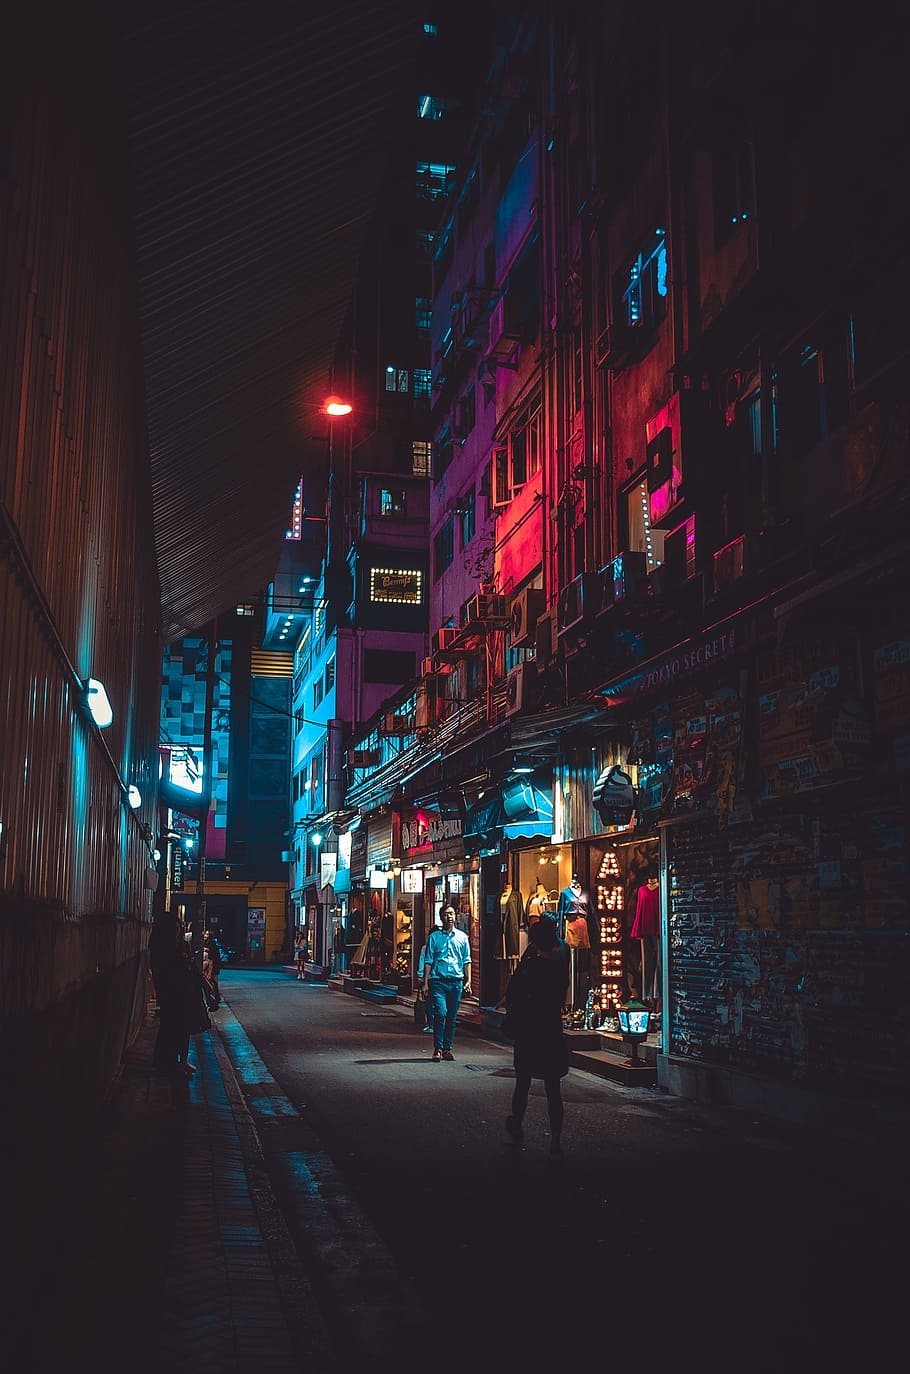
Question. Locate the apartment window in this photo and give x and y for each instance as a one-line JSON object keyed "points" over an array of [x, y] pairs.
{"points": [[423, 381], [329, 676], [466, 511], [641, 537], [467, 413], [444, 548], [643, 285], [421, 456], [396, 379], [732, 185], [388, 665], [443, 451], [423, 314], [518, 460], [318, 692], [430, 107], [434, 179], [246, 609], [426, 241], [391, 501]]}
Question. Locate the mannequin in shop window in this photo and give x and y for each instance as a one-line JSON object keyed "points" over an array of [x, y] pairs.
{"points": [[572, 911], [537, 905], [511, 915], [646, 928]]}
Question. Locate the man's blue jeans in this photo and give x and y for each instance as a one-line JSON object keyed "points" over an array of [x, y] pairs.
{"points": [[445, 999]]}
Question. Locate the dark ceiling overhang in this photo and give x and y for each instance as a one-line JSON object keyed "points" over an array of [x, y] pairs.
{"points": [[259, 133]]}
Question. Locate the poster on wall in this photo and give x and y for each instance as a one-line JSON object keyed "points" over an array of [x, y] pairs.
{"points": [[255, 925]]}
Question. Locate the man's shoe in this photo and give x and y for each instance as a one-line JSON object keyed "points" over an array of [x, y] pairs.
{"points": [[437, 1056], [447, 1054], [514, 1129]]}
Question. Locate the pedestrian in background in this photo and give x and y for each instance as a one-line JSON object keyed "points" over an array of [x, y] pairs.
{"points": [[446, 978], [211, 964], [300, 954], [535, 999], [174, 975]]}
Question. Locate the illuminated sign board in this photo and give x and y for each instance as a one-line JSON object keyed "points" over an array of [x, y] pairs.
{"points": [[397, 586]]}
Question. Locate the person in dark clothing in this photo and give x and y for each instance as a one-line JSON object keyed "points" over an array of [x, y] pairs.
{"points": [[535, 997], [211, 963], [174, 977]]}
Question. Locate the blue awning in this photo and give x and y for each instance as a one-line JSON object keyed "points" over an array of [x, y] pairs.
{"points": [[517, 809]]}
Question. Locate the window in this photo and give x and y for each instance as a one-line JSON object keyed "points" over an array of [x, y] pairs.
{"points": [[466, 511], [421, 456], [423, 381], [430, 107], [640, 536], [329, 676], [518, 460], [732, 189], [388, 665], [643, 286], [318, 692], [426, 240], [443, 549], [396, 379], [434, 179], [467, 413], [443, 451], [423, 314], [246, 609], [391, 501]]}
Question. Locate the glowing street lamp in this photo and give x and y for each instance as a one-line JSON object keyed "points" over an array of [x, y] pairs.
{"points": [[337, 405]]}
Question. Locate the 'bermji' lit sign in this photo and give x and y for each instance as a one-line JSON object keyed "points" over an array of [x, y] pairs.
{"points": [[398, 585]]}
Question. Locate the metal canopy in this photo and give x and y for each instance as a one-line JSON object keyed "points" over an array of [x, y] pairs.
{"points": [[258, 136]]}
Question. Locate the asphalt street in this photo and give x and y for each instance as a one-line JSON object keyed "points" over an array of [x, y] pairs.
{"points": [[664, 1228]]}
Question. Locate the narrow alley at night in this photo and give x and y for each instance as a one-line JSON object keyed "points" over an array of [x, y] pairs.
{"points": [[454, 494]]}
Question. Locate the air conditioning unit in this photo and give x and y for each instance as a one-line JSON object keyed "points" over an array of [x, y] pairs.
{"points": [[428, 666], [548, 635], [443, 639], [428, 701], [679, 552], [520, 685], [395, 725], [580, 601], [625, 578], [730, 564], [615, 346], [527, 607], [363, 758], [485, 609], [505, 330]]}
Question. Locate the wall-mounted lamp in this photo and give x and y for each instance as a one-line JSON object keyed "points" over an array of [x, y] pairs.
{"points": [[337, 405], [316, 839], [98, 703], [134, 796], [522, 768]]}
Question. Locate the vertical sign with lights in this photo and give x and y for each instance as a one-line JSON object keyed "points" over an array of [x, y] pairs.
{"points": [[609, 895]]}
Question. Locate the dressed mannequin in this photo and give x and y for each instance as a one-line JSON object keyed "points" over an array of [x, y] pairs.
{"points": [[572, 911], [537, 904], [646, 928], [511, 911]]}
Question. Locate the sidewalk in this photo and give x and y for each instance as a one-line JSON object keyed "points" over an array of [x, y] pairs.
{"points": [[163, 1248]]}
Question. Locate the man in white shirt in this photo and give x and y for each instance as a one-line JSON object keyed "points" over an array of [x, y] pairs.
{"points": [[446, 978]]}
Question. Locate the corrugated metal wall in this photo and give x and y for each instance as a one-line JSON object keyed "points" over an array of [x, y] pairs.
{"points": [[78, 588]]}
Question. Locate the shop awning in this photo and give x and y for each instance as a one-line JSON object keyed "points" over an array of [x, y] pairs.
{"points": [[514, 810]]}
